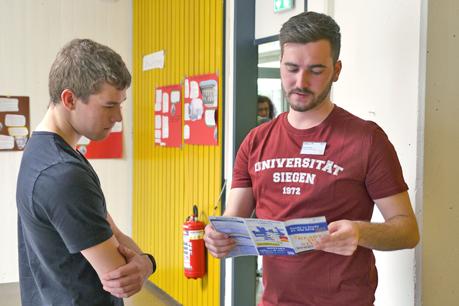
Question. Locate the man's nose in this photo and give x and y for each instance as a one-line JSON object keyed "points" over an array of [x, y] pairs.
{"points": [[118, 115], [302, 79]]}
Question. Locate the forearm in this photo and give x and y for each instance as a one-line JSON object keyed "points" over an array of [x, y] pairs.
{"points": [[399, 232], [128, 242], [240, 203], [122, 238], [104, 256]]}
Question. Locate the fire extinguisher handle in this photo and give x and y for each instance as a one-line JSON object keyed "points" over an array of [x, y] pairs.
{"points": [[195, 211]]}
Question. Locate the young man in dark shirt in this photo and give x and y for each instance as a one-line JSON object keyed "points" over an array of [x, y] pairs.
{"points": [[70, 250]]}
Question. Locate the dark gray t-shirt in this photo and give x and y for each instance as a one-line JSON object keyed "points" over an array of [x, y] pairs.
{"points": [[61, 211]]}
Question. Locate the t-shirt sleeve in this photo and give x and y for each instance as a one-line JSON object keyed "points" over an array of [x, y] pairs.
{"points": [[384, 176], [74, 205], [241, 176]]}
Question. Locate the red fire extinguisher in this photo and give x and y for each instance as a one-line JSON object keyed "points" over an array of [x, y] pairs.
{"points": [[193, 246]]}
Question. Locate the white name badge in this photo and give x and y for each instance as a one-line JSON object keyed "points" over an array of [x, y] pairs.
{"points": [[313, 148]]}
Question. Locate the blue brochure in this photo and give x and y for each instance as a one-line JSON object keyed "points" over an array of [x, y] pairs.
{"points": [[267, 237]]}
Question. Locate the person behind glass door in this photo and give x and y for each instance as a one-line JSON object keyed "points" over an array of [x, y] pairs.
{"points": [[265, 109]]}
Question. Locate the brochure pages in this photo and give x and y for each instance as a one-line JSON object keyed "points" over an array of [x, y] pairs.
{"points": [[267, 237]]}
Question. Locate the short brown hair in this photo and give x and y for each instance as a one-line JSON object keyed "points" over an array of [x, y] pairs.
{"points": [[82, 66], [310, 27]]}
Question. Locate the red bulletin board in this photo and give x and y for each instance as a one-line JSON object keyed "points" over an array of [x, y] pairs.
{"points": [[14, 123], [201, 110], [110, 147], [168, 116]]}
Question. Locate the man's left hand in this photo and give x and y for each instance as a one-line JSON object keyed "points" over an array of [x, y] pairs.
{"points": [[343, 238]]}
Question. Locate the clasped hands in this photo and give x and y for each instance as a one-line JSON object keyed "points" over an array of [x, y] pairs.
{"points": [[129, 278]]}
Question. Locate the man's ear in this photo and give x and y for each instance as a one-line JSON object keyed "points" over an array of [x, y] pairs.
{"points": [[68, 99], [338, 66]]}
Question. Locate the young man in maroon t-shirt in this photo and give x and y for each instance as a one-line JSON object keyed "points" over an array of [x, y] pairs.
{"points": [[320, 160]]}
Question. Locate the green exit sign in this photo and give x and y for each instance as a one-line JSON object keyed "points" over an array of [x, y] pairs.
{"points": [[283, 5]]}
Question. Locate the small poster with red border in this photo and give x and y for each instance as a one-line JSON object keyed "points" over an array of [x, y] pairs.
{"points": [[168, 116], [201, 110], [110, 147]]}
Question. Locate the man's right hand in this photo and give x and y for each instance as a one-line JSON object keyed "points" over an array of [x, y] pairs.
{"points": [[129, 278], [218, 244]]}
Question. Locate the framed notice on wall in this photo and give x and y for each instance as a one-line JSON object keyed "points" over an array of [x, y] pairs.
{"points": [[201, 110], [14, 123]]}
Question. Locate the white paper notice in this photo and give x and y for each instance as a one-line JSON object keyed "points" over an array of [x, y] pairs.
{"points": [[165, 102], [186, 131], [209, 92], [165, 127], [84, 141], [153, 60], [175, 96], [210, 117], [158, 121], [158, 102], [118, 127], [194, 90], [157, 136], [196, 109], [6, 142], [187, 111], [18, 131], [187, 88], [9, 105], [15, 120]]}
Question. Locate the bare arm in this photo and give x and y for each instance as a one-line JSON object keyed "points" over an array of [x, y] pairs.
{"points": [[240, 204], [129, 278], [104, 257], [121, 237], [398, 231]]}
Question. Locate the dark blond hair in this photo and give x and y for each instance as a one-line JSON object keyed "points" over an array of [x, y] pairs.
{"points": [[83, 66]]}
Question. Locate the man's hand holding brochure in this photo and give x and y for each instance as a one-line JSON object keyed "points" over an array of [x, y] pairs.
{"points": [[266, 237]]}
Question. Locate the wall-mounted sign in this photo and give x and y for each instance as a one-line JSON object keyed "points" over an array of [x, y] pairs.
{"points": [[153, 61], [201, 110], [283, 5], [168, 116], [14, 123]]}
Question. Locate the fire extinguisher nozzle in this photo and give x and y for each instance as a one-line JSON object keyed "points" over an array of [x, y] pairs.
{"points": [[195, 211]]}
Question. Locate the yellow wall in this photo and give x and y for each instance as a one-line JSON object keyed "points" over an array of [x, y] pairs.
{"points": [[168, 181]]}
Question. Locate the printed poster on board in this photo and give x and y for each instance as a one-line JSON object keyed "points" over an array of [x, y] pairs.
{"points": [[110, 147], [201, 110], [168, 116], [14, 123]]}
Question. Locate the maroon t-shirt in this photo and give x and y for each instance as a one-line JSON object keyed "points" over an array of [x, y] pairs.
{"points": [[358, 166]]}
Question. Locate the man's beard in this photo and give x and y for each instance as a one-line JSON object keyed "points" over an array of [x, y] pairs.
{"points": [[316, 100]]}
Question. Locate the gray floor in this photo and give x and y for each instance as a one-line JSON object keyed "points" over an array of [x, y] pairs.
{"points": [[150, 295]]}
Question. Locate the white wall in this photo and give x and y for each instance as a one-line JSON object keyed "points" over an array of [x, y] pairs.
{"points": [[31, 33], [268, 23], [380, 82]]}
